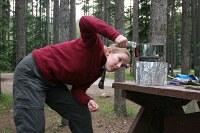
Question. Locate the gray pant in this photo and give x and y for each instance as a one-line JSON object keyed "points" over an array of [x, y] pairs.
{"points": [[31, 91]]}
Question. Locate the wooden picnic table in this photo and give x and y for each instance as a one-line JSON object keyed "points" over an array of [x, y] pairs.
{"points": [[162, 108]]}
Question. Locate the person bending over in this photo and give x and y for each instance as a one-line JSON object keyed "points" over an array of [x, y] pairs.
{"points": [[41, 77]]}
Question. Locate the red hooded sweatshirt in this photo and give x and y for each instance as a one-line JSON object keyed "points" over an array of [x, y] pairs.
{"points": [[78, 62]]}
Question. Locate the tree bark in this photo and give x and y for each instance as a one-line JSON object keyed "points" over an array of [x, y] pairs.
{"points": [[194, 6], [171, 38], [105, 17], [198, 40], [119, 100], [48, 32], [185, 37], [20, 29], [158, 23], [135, 32], [56, 22], [72, 24], [197, 46], [64, 33], [64, 20]]}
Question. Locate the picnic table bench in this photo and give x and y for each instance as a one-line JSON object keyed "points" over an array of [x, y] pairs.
{"points": [[162, 108]]}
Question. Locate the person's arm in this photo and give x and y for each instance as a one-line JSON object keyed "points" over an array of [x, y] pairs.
{"points": [[79, 94], [92, 106], [81, 97], [91, 26]]}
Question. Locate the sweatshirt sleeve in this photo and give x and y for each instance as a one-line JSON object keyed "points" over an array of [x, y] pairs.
{"points": [[91, 26], [80, 95]]}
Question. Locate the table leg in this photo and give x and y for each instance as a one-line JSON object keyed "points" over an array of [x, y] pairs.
{"points": [[134, 124], [152, 121], [154, 109], [147, 121]]}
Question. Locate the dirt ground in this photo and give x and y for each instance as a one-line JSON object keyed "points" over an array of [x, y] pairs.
{"points": [[102, 122]]}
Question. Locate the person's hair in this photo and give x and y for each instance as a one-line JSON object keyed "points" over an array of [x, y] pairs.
{"points": [[115, 49]]}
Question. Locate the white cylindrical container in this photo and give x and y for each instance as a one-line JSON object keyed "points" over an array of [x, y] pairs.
{"points": [[151, 73]]}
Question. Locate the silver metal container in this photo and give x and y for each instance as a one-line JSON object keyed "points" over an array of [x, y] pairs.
{"points": [[150, 69], [151, 73], [151, 52]]}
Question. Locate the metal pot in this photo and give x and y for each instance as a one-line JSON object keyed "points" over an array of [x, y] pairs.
{"points": [[151, 52]]}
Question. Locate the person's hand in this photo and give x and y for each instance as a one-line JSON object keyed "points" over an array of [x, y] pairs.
{"points": [[92, 106], [121, 41]]}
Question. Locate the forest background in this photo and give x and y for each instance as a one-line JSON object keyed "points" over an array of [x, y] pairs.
{"points": [[31, 24]]}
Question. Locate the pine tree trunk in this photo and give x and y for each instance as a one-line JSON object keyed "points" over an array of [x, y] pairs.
{"points": [[192, 106], [185, 37], [119, 100], [64, 20], [64, 33], [13, 55], [135, 32], [174, 60], [171, 43], [194, 32], [105, 16], [72, 23], [48, 32], [198, 40], [56, 22], [20, 29], [158, 23]]}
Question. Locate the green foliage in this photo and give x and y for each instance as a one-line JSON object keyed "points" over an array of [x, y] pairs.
{"points": [[36, 22], [86, 8], [144, 18], [129, 23], [97, 9], [5, 42], [112, 13], [6, 59], [36, 27]]}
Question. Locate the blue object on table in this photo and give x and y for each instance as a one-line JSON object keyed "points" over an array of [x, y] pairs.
{"points": [[185, 78], [172, 83]]}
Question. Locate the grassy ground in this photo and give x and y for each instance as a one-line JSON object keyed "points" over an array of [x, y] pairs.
{"points": [[128, 75], [104, 120]]}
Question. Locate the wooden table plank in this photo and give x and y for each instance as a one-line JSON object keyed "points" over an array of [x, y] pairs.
{"points": [[168, 90], [161, 108]]}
